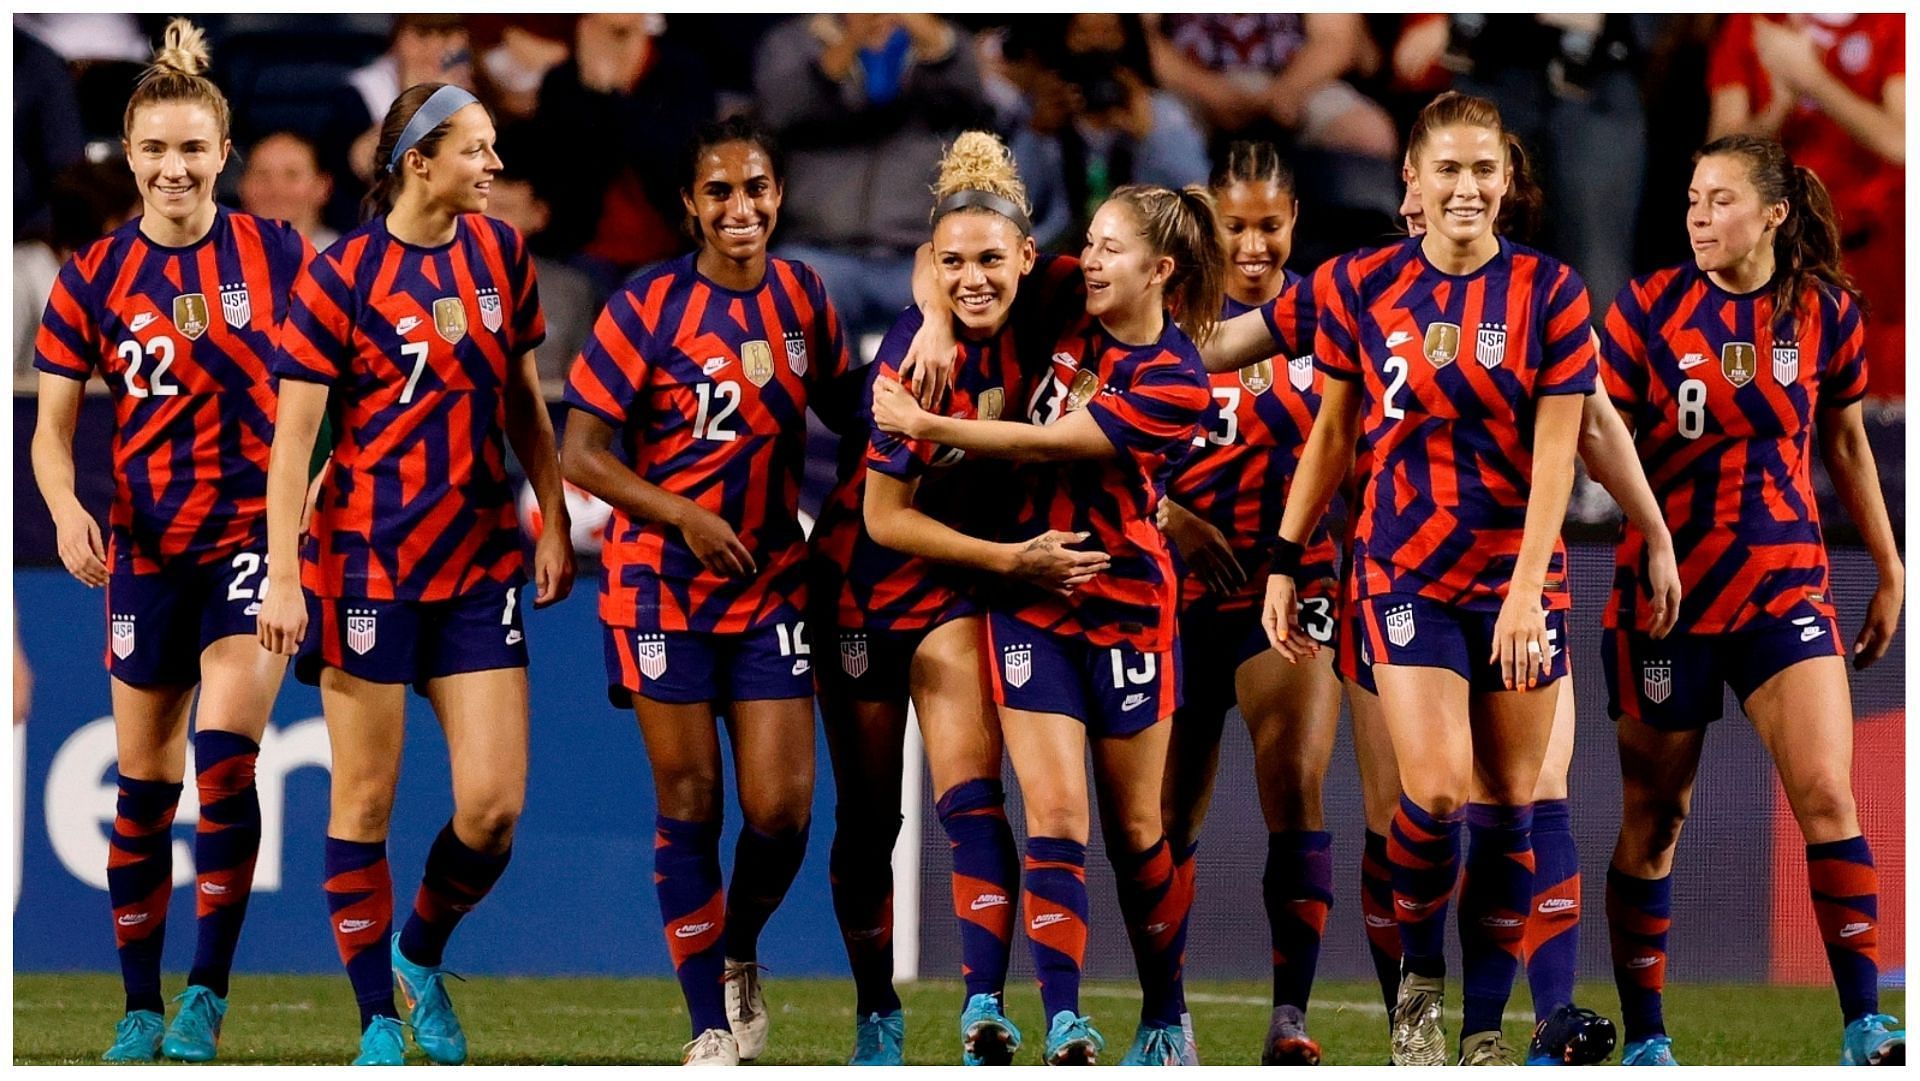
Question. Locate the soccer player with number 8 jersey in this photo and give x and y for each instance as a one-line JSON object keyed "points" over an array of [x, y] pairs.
{"points": [[1725, 368], [177, 311], [422, 323]]}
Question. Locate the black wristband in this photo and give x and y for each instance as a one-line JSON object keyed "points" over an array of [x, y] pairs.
{"points": [[1286, 557]]}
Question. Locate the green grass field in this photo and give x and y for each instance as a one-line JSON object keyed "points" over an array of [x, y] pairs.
{"points": [[310, 1019]]}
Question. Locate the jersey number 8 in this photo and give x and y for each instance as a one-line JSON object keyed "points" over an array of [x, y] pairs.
{"points": [[1693, 409]]}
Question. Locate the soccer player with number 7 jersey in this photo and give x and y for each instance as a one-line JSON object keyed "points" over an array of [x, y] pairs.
{"points": [[1725, 368], [422, 322], [177, 311]]}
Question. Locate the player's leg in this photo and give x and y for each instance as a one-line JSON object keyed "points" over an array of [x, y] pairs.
{"points": [[773, 746], [1380, 800], [1129, 770]]}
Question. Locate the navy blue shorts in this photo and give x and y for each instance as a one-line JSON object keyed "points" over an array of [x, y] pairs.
{"points": [[159, 624], [876, 665], [1214, 644], [1353, 660], [1675, 683], [413, 641], [1113, 690], [1408, 629], [682, 667]]}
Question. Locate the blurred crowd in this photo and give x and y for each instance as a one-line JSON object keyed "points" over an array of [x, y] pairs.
{"points": [[593, 112]]}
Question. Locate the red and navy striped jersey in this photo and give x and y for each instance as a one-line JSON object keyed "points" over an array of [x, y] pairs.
{"points": [[184, 338], [709, 389], [1150, 401], [1452, 368], [1722, 410], [417, 344], [1242, 465]]}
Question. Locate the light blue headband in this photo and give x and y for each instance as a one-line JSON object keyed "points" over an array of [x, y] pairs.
{"points": [[443, 103]]}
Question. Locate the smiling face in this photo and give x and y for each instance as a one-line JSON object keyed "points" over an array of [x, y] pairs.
{"points": [[1121, 268], [1257, 219], [175, 151], [1730, 227], [978, 259], [459, 175], [283, 181], [735, 200], [1462, 175]]}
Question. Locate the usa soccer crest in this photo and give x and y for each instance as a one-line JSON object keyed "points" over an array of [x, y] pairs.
{"points": [[1400, 628], [362, 630], [1085, 385], [1490, 344], [1300, 373], [796, 352], [122, 638], [1786, 363], [1017, 664], [756, 359], [450, 319], [190, 314], [651, 651], [853, 655], [1739, 362], [1442, 344], [490, 311], [991, 402], [1656, 681], [236, 304], [1257, 377]]}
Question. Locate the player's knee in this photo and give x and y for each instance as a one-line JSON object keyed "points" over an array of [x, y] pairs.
{"points": [[488, 826], [1651, 822], [1069, 823], [1133, 832], [1825, 806], [688, 795], [358, 819]]}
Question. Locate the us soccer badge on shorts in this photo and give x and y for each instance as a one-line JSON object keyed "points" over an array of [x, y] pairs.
{"points": [[650, 650], [756, 359], [236, 305], [1739, 362], [1656, 681], [1442, 344], [1017, 665], [450, 319], [190, 316]]}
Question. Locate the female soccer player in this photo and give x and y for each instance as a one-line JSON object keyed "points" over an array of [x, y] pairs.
{"points": [[704, 369], [1124, 400], [1726, 367], [902, 556], [176, 310], [423, 323]]}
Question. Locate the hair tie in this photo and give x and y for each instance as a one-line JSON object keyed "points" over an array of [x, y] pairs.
{"points": [[968, 198], [440, 105]]}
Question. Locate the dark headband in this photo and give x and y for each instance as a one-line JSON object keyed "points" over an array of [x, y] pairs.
{"points": [[970, 198]]}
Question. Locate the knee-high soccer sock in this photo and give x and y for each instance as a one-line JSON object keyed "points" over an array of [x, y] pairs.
{"points": [[1376, 911], [860, 876], [360, 898], [1552, 945], [686, 877], [456, 879], [1424, 853], [224, 849], [1494, 901], [1639, 914], [1846, 904], [986, 879], [1056, 905], [140, 883], [1298, 890], [1185, 875], [1149, 904], [764, 866]]}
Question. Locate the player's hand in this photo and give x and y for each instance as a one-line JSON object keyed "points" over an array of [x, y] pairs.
{"points": [[1204, 547], [1047, 562], [1883, 619], [283, 616], [928, 365], [1280, 617], [895, 410], [1786, 53], [715, 544], [1663, 589], [1520, 641], [78, 540], [553, 561]]}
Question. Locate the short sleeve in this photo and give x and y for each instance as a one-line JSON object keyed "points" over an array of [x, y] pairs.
{"points": [[1623, 351], [1567, 362], [836, 386], [889, 452], [1290, 316], [1843, 377], [1156, 415], [1335, 338], [612, 366], [529, 321], [68, 342], [288, 254], [316, 341]]}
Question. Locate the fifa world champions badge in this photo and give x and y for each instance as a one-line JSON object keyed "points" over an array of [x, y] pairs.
{"points": [[190, 316], [1442, 343], [1257, 377], [1739, 362], [756, 360], [450, 319]]}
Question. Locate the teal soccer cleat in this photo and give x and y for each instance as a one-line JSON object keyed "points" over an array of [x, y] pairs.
{"points": [[1073, 1041], [1652, 1051], [435, 1026], [987, 1037], [383, 1044], [1155, 1045], [1874, 1041], [194, 1035], [136, 1038], [877, 1040]]}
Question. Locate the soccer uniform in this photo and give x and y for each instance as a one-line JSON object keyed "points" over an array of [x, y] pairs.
{"points": [[709, 388], [413, 562], [183, 338], [1108, 655], [1722, 410], [1451, 369]]}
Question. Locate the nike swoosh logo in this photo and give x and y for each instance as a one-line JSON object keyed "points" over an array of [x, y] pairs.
{"points": [[132, 919], [406, 325], [1691, 360], [348, 927], [140, 321], [1853, 929], [1398, 337]]}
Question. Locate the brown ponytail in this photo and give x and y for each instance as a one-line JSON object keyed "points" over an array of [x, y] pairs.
{"points": [[176, 75], [1806, 246], [1182, 224], [388, 182], [1520, 210]]}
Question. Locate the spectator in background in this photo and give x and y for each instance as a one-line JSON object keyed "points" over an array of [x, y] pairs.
{"points": [[283, 180], [47, 133], [424, 48], [862, 104], [1832, 89], [633, 98], [566, 294], [514, 53], [85, 202]]}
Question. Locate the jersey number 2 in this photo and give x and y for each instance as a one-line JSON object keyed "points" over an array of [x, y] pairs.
{"points": [[161, 350]]}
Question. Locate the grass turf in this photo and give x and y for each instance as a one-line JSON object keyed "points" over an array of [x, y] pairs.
{"points": [[311, 1019]]}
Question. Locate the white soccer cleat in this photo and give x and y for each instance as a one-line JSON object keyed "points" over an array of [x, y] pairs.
{"points": [[714, 1047], [746, 1008]]}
